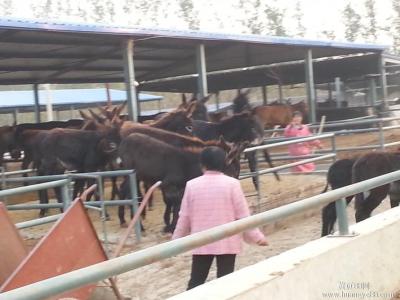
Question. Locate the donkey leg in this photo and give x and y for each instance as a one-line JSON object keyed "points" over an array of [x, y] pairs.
{"points": [[268, 159], [175, 216], [364, 207], [114, 189], [78, 187], [167, 217], [43, 199], [328, 218], [122, 194], [251, 159]]}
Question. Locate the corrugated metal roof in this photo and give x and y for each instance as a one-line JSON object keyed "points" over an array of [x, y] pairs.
{"points": [[38, 52], [179, 34]]}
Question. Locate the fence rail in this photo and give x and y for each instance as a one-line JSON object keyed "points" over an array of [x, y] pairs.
{"points": [[122, 264]]}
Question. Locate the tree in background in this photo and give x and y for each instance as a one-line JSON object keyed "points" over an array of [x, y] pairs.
{"points": [[189, 14], [396, 26], [371, 28], [352, 23], [6, 7], [328, 34], [251, 19], [274, 16], [299, 16]]}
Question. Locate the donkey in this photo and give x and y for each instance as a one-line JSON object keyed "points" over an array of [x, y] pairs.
{"points": [[156, 160], [367, 166], [240, 105], [74, 149], [171, 138]]}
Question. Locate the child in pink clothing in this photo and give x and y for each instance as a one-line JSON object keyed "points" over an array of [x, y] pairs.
{"points": [[297, 129], [211, 200]]}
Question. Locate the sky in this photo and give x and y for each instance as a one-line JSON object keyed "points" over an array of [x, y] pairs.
{"points": [[319, 15]]}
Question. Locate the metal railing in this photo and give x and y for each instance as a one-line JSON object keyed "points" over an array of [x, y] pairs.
{"points": [[95, 205], [302, 160], [129, 262]]}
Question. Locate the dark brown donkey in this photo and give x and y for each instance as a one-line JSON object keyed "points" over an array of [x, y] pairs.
{"points": [[347, 171], [241, 105], [175, 140], [74, 149], [156, 160]]}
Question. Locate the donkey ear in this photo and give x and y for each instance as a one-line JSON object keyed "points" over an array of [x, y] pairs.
{"points": [[96, 116], [103, 110], [205, 99], [194, 97], [121, 108], [246, 92], [190, 109], [184, 100], [85, 116]]}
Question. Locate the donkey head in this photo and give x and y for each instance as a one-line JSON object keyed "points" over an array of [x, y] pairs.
{"points": [[241, 101]]}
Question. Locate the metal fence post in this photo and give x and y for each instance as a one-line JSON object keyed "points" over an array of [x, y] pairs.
{"points": [[3, 182], [342, 217], [65, 194], [133, 189], [100, 187], [258, 183], [381, 136], [333, 145]]}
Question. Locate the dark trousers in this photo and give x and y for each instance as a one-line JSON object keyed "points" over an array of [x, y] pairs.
{"points": [[201, 265]]}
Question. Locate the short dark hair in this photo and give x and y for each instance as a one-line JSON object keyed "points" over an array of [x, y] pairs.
{"points": [[297, 114], [213, 158]]}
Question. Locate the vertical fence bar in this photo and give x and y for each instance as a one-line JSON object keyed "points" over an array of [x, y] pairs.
{"points": [[381, 136], [333, 145], [65, 195], [343, 223], [258, 183], [133, 189], [100, 187]]}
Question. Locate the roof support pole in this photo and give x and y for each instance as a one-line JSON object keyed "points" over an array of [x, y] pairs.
{"points": [[202, 88], [37, 105], [129, 73], [280, 93], [372, 92], [382, 80], [310, 87], [338, 91], [15, 115], [264, 94], [49, 102]]}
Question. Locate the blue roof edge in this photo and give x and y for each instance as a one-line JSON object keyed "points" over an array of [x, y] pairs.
{"points": [[11, 23]]}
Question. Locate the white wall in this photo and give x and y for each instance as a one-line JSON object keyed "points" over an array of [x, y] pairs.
{"points": [[370, 260]]}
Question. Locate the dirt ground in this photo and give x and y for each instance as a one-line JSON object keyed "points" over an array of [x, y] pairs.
{"points": [[169, 277]]}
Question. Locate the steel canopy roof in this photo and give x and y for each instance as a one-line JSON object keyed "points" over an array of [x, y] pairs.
{"points": [[38, 52]]}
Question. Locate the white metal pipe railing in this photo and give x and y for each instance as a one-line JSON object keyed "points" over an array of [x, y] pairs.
{"points": [[129, 262], [294, 141]]}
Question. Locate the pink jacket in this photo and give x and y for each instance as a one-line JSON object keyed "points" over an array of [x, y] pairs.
{"points": [[211, 200], [300, 148]]}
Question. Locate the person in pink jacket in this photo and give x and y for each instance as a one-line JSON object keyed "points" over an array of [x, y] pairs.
{"points": [[210, 200], [297, 129]]}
